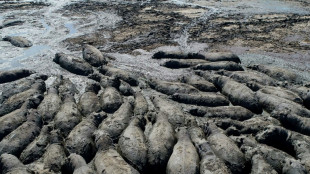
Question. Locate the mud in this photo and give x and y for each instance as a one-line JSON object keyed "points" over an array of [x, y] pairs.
{"points": [[57, 118]]}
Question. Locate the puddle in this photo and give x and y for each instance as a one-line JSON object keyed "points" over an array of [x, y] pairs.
{"points": [[32, 51], [45, 25], [18, 34], [71, 28], [36, 49]]}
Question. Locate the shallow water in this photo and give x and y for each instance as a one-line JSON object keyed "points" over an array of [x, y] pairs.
{"points": [[45, 25], [36, 49], [29, 52], [276, 6], [71, 28]]}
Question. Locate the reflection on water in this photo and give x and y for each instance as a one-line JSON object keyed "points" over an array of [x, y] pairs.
{"points": [[45, 25], [71, 28], [36, 49], [29, 52]]}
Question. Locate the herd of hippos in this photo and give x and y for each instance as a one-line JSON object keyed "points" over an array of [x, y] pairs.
{"points": [[223, 119]]}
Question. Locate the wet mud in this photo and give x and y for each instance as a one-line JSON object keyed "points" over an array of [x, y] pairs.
{"points": [[155, 87]]}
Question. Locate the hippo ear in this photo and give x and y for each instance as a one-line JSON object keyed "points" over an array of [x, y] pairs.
{"points": [[158, 55], [57, 56], [142, 122], [206, 129], [84, 44], [100, 116], [114, 81], [95, 76], [94, 87], [182, 79], [103, 140], [192, 122], [151, 116]]}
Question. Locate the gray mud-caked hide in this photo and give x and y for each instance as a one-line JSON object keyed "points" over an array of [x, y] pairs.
{"points": [[75, 65], [115, 124], [16, 141], [18, 41], [80, 139], [13, 75], [89, 101], [93, 56], [132, 144], [160, 144], [10, 164], [110, 100], [184, 158], [226, 149]]}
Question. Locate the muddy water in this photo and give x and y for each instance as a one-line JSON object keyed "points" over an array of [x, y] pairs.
{"points": [[46, 28], [30, 52]]}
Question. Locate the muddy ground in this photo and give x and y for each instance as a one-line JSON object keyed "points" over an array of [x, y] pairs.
{"points": [[136, 115]]}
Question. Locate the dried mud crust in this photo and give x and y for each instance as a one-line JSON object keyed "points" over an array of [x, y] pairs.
{"points": [[22, 5], [238, 123], [150, 25], [145, 26]]}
